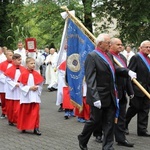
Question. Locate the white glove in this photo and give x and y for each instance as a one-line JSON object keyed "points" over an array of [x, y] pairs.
{"points": [[132, 74], [97, 104]]}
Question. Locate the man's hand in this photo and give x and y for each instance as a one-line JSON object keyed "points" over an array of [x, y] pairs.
{"points": [[97, 104], [132, 74]]}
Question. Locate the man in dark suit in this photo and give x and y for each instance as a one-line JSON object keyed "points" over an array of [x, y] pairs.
{"points": [[101, 92], [124, 87], [140, 104]]}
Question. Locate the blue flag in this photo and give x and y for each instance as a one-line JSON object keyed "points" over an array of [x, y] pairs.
{"points": [[79, 45]]}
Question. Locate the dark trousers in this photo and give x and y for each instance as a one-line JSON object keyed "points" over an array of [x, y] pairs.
{"points": [[98, 130], [107, 120], [120, 126], [139, 106]]}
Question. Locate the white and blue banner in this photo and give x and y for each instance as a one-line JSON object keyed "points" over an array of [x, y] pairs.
{"points": [[79, 45]]}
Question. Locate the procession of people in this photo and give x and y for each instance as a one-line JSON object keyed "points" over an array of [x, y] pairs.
{"points": [[107, 88]]}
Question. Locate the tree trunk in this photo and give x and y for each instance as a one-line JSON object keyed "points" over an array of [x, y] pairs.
{"points": [[88, 14]]}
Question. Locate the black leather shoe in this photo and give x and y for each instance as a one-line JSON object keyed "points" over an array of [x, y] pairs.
{"points": [[82, 147], [145, 134], [23, 131], [99, 139], [11, 124], [2, 116], [66, 117], [125, 143], [60, 109], [37, 132]]}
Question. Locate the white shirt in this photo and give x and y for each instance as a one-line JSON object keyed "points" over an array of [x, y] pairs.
{"points": [[29, 96], [2, 57], [12, 92], [2, 80]]}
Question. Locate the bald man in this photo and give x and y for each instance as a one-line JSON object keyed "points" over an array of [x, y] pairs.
{"points": [[124, 87]]}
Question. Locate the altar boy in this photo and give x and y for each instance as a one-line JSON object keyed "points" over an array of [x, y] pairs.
{"points": [[12, 89], [31, 87]]}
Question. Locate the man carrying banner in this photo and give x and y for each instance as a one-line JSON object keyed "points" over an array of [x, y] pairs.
{"points": [[101, 92], [140, 104]]}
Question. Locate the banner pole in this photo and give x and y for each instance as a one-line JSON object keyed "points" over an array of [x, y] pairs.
{"points": [[135, 81], [92, 38]]}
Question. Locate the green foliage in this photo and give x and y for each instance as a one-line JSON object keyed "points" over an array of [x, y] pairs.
{"points": [[41, 20], [133, 19], [16, 33]]}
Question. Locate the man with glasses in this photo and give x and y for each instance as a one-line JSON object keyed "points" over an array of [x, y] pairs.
{"points": [[140, 104]]}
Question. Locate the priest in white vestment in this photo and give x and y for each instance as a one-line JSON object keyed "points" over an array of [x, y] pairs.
{"points": [[51, 71]]}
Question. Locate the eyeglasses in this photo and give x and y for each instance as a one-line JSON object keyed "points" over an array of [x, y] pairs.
{"points": [[107, 42], [146, 47]]}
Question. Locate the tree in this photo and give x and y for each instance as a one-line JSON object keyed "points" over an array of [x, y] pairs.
{"points": [[4, 21], [133, 18], [40, 19], [88, 14]]}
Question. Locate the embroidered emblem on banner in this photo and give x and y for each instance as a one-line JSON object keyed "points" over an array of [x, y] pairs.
{"points": [[73, 62]]}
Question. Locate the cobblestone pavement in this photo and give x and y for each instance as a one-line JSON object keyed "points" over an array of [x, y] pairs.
{"points": [[58, 133]]}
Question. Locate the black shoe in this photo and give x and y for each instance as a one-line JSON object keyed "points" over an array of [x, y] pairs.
{"points": [[125, 143], [82, 147], [53, 89], [37, 132], [66, 117], [145, 134], [50, 89], [10, 123], [126, 131], [23, 131], [60, 109], [3, 116], [99, 139]]}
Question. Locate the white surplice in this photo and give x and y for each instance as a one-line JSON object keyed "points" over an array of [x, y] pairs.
{"points": [[12, 92], [29, 96], [61, 78], [51, 73], [2, 80]]}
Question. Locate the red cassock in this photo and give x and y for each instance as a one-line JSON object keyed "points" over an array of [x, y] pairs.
{"points": [[11, 104], [85, 113], [66, 99], [12, 110], [3, 67], [29, 117], [3, 103]]}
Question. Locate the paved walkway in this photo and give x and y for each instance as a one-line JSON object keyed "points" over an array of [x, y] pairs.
{"points": [[57, 133]]}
